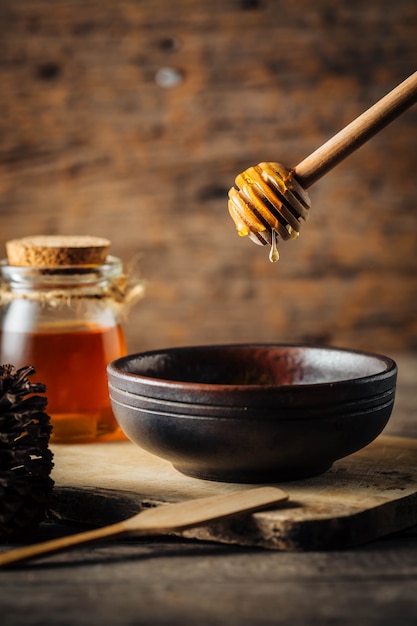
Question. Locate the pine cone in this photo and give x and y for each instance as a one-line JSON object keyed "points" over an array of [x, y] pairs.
{"points": [[25, 459]]}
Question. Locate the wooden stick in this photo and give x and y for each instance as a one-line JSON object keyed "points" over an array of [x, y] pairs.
{"points": [[357, 132], [159, 520]]}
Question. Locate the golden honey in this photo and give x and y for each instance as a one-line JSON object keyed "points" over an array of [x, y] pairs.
{"points": [[72, 364], [268, 203]]}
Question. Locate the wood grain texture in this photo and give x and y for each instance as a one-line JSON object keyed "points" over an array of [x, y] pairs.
{"points": [[366, 496], [170, 581], [130, 120]]}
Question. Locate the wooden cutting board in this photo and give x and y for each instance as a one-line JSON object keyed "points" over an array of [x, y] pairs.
{"points": [[367, 495]]}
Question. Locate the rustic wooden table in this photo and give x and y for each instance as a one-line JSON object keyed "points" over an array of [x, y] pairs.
{"points": [[177, 581]]}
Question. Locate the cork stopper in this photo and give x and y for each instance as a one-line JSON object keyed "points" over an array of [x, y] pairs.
{"points": [[53, 250]]}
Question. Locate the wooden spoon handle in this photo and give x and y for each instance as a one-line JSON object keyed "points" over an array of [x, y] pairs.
{"points": [[60, 544], [357, 132], [159, 520]]}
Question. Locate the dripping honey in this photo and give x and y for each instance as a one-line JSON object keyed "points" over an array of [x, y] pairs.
{"points": [[72, 364]]}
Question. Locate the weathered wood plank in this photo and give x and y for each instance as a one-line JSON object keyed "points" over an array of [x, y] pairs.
{"points": [[363, 497], [172, 582]]}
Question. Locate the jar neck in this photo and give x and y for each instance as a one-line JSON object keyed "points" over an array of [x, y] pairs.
{"points": [[82, 280], [70, 282]]}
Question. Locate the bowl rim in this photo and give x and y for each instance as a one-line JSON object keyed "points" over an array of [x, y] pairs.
{"points": [[114, 368]]}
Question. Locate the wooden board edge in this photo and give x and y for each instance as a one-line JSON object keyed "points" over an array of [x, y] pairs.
{"points": [[97, 507]]}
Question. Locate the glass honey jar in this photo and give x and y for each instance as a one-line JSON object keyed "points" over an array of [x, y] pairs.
{"points": [[61, 312]]}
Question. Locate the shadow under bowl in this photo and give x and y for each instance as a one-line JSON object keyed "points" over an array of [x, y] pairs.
{"points": [[252, 412]]}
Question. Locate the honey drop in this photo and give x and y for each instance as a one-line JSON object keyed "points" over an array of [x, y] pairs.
{"points": [[274, 254]]}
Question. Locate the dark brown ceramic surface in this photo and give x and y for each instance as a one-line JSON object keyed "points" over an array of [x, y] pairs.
{"points": [[252, 413]]}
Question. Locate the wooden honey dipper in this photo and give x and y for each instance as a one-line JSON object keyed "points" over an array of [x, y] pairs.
{"points": [[270, 200]]}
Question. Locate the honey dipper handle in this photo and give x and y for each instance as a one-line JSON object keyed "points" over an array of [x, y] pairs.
{"points": [[325, 158]]}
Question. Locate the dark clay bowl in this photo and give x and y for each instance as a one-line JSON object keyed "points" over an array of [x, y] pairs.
{"points": [[252, 413]]}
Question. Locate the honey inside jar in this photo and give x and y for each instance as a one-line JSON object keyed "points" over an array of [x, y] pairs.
{"points": [[72, 365]]}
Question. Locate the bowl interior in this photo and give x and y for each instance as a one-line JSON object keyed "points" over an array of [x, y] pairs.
{"points": [[254, 365]]}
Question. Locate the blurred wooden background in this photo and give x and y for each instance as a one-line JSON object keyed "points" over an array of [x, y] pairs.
{"points": [[130, 120]]}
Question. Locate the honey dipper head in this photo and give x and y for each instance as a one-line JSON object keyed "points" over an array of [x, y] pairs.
{"points": [[268, 203]]}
